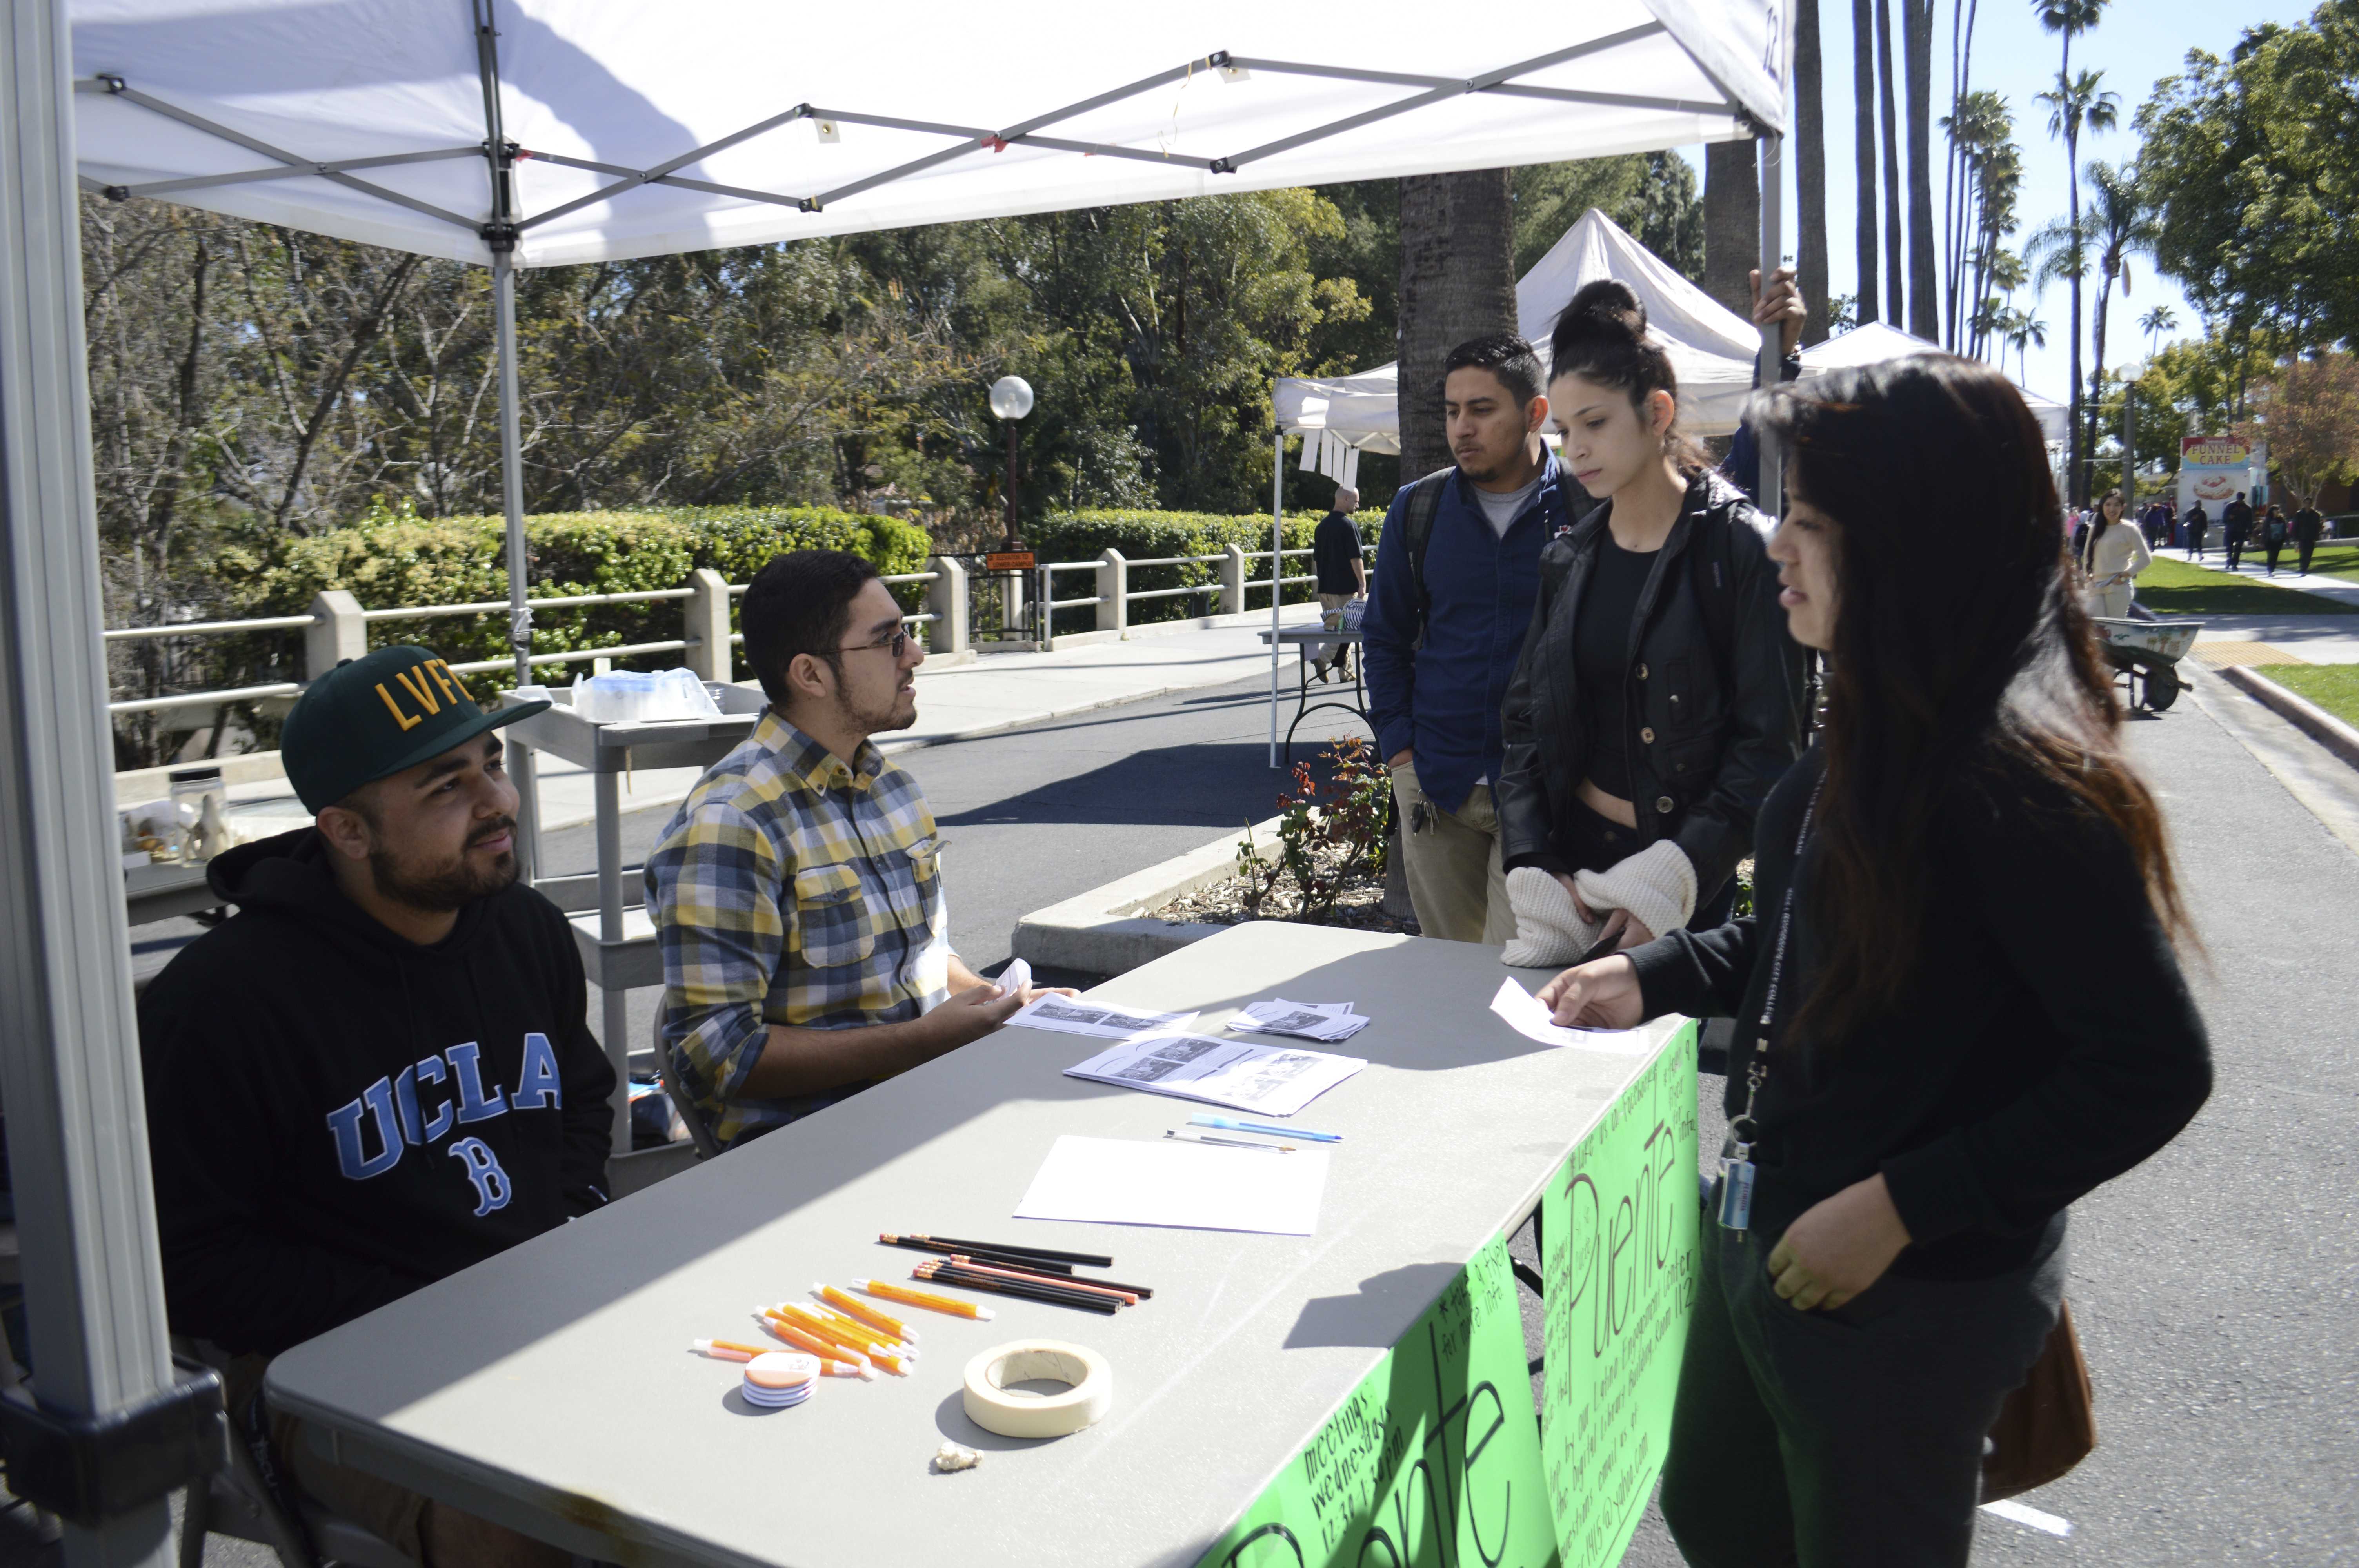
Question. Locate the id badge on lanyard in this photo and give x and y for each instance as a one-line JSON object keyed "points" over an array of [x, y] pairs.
{"points": [[1737, 1167]]}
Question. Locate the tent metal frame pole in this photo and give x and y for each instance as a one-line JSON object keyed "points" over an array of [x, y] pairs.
{"points": [[69, 1035], [1772, 471], [1276, 573]]}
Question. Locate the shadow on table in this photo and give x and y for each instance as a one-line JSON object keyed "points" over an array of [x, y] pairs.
{"points": [[1373, 1316], [1223, 785]]}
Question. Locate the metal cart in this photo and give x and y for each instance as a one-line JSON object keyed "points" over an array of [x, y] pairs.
{"points": [[606, 907], [2148, 654]]}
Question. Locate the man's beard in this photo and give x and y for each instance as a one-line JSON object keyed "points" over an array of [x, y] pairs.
{"points": [[448, 887], [880, 720]]}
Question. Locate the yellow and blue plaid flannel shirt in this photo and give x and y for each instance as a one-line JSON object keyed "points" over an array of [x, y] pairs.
{"points": [[791, 888]]}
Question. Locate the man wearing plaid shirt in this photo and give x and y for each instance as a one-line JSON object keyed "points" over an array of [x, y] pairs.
{"points": [[797, 893]]}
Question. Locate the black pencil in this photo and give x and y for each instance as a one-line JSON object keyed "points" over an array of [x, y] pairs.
{"points": [[1033, 1271], [1091, 1259], [981, 1254], [949, 1274]]}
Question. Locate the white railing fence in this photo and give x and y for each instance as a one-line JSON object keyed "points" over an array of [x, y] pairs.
{"points": [[337, 625]]}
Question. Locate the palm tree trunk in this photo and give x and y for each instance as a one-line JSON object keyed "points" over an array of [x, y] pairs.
{"points": [[1924, 292], [2076, 479], [2097, 362], [1811, 170], [1862, 142], [1887, 88], [1732, 223], [1457, 282]]}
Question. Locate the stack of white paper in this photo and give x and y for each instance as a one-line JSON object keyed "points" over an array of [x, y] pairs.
{"points": [[1068, 1016], [1108, 1181], [1332, 1022], [1266, 1080]]}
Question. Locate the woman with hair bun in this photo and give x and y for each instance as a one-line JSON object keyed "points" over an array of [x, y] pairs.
{"points": [[1658, 696]]}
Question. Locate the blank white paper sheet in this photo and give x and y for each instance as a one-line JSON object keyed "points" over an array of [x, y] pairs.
{"points": [[1116, 1181]]}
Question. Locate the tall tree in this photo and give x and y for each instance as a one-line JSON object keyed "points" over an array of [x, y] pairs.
{"points": [[1457, 281], [2067, 109], [1863, 148], [2075, 103], [2154, 324], [1955, 233], [1732, 221], [1924, 269], [2121, 224], [1887, 88], [1810, 171]]}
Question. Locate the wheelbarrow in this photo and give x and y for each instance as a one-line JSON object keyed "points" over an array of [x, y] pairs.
{"points": [[2148, 653]]}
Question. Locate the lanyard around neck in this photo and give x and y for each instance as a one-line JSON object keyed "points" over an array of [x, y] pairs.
{"points": [[1741, 1129]]}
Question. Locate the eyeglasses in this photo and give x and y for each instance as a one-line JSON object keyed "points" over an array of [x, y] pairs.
{"points": [[897, 645]]}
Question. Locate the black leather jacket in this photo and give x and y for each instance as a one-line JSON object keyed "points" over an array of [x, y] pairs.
{"points": [[1708, 741]]}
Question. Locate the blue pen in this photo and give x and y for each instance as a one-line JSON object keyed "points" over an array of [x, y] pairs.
{"points": [[1234, 1125]]}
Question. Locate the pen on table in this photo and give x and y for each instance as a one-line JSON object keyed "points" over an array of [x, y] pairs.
{"points": [[1230, 1124], [1227, 1142], [964, 1244], [950, 1274]]}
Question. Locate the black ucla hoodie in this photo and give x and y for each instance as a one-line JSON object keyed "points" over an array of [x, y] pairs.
{"points": [[339, 1115]]}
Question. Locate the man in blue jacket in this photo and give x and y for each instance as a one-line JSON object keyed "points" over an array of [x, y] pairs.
{"points": [[1457, 570]]}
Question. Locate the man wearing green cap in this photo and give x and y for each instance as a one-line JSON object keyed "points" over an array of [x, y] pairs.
{"points": [[380, 1071]]}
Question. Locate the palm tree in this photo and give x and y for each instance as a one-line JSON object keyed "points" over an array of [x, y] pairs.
{"points": [[1810, 170], [1863, 144], [2154, 324], [1457, 281], [2021, 329], [1896, 308], [1954, 229], [2120, 223], [1978, 128], [1924, 287], [2069, 109]]}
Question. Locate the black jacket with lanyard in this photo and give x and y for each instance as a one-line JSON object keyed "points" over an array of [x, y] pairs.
{"points": [[1717, 691]]}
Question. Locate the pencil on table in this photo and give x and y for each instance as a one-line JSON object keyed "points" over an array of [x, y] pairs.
{"points": [[885, 1290], [845, 1302], [951, 1275], [1091, 1259], [1091, 1287], [991, 1254], [1025, 1271]]}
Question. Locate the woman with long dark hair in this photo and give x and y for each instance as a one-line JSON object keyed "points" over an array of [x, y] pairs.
{"points": [[1960, 1006], [1658, 696], [2113, 554]]}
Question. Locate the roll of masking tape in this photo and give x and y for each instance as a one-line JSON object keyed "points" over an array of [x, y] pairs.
{"points": [[993, 1406]]}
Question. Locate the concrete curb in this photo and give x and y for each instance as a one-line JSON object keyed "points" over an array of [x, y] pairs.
{"points": [[1111, 929], [2305, 715]]}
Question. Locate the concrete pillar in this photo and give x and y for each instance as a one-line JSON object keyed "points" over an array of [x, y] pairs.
{"points": [[706, 627], [1011, 602], [1114, 582], [946, 598], [337, 632], [1233, 581]]}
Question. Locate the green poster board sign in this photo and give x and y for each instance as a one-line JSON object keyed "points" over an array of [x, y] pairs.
{"points": [[1434, 1462], [1618, 1229]]}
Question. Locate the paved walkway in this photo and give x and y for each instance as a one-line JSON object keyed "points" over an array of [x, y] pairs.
{"points": [[994, 693], [2296, 637]]}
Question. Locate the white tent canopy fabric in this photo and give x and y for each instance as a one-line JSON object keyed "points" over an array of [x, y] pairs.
{"points": [[1877, 342], [651, 129], [1712, 347]]}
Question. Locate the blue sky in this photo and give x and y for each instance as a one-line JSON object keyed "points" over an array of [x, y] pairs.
{"points": [[2138, 43]]}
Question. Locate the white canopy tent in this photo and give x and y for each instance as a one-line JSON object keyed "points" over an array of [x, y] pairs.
{"points": [[1877, 342], [563, 131]]}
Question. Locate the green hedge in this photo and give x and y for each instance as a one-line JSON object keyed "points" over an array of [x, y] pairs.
{"points": [[387, 562], [1150, 536]]}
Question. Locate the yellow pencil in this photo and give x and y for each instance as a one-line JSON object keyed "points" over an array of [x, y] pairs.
{"points": [[846, 1303]]}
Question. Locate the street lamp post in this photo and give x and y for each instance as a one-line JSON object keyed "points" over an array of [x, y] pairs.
{"points": [[1011, 400]]}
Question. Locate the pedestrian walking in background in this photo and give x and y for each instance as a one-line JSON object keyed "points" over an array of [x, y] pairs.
{"points": [[1657, 696], [2112, 559], [1960, 1002], [2236, 528], [2273, 535], [2198, 524], [1456, 568], [2306, 526], [2154, 521], [1343, 571]]}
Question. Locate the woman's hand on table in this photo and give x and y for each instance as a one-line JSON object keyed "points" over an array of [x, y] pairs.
{"points": [[1839, 1247], [1603, 995]]}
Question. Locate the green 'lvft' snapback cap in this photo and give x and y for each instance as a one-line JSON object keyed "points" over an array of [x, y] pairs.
{"points": [[371, 716]]}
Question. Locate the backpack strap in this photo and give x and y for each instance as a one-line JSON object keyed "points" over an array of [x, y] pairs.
{"points": [[1416, 532], [1711, 574]]}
